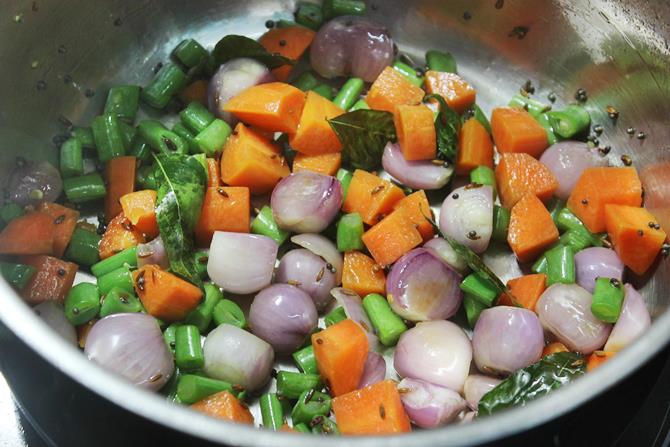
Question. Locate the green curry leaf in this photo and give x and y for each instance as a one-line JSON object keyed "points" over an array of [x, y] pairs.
{"points": [[234, 46], [447, 127]]}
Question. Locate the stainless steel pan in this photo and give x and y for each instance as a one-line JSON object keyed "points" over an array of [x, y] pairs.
{"points": [[56, 53]]}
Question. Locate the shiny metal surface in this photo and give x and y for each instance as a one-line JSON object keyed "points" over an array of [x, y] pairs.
{"points": [[53, 51]]}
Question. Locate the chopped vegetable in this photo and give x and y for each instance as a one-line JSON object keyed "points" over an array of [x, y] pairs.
{"points": [[191, 388], [416, 132], [119, 301], [84, 188], [457, 92], [526, 290], [212, 138], [224, 405], [571, 121], [480, 288], [64, 221], [516, 131], [223, 209], [501, 218], [314, 135], [265, 224], [560, 265], [17, 275], [108, 137], [553, 348], [349, 232], [31, 234], [52, 280], [291, 384], [349, 93], [188, 350], [325, 164], [520, 174], [167, 83], [120, 234], [392, 89], [392, 237], [309, 406], [233, 47], [597, 358], [290, 42], [228, 312], [408, 72], [531, 229], [305, 360], [201, 316], [439, 61], [126, 257], [82, 303], [164, 295], [607, 300], [139, 208], [271, 412], [387, 324], [415, 207], [71, 158], [371, 197], [475, 149]]}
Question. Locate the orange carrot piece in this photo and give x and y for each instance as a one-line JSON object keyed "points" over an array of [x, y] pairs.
{"points": [[196, 91], [223, 209], [213, 173], [392, 89], [64, 219], [417, 208], [475, 147], [515, 130], [597, 358], [340, 351], [635, 234], [252, 161], [224, 405], [326, 164], [52, 280], [362, 274], [119, 235], [120, 178], [164, 295], [391, 238], [314, 135], [287, 428], [31, 234], [531, 229], [290, 42], [140, 209], [371, 197], [274, 106], [598, 187], [526, 290], [415, 128], [458, 93], [521, 174], [554, 348], [373, 410]]}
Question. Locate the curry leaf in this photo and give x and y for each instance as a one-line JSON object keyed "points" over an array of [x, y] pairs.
{"points": [[233, 46], [534, 381], [447, 127], [363, 134], [181, 183]]}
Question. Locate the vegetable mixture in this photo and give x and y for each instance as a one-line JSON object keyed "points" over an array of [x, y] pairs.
{"points": [[285, 213]]}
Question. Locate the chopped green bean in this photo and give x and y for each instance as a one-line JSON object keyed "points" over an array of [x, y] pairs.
{"points": [[212, 138], [554, 207], [186, 134], [388, 326], [108, 137], [292, 384], [501, 218], [120, 278], [160, 139], [360, 105], [84, 135], [201, 316], [324, 426], [190, 53], [196, 117], [18, 275], [473, 308], [306, 81], [228, 312], [170, 335], [309, 15], [265, 224], [344, 177], [484, 175], [119, 301], [84, 188], [123, 101], [188, 349], [576, 239], [350, 229], [71, 158], [193, 388], [324, 90], [480, 288], [302, 428], [571, 121], [349, 93], [532, 106], [544, 121], [272, 412], [128, 134], [608, 296], [310, 404], [478, 114], [82, 303], [540, 265], [305, 360], [408, 72], [439, 61], [335, 8], [145, 178], [169, 80], [127, 257], [560, 265], [335, 316], [83, 247]]}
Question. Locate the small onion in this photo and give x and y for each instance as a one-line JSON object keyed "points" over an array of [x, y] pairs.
{"points": [[429, 405], [351, 45], [466, 417], [324, 247], [440, 248], [306, 202], [283, 315], [438, 352], [422, 287], [502, 261], [507, 338], [476, 386], [53, 315], [353, 309], [131, 345], [33, 182], [597, 262], [567, 160], [309, 273], [467, 216], [565, 311], [237, 356], [415, 174], [633, 321], [232, 78], [374, 370], [153, 253], [241, 263]]}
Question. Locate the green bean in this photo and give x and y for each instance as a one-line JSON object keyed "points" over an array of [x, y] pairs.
{"points": [[560, 265], [306, 81], [388, 326], [192, 388], [344, 177], [190, 53], [571, 121], [309, 15], [119, 301], [272, 412], [128, 134], [84, 135], [145, 178], [82, 303], [484, 176], [335, 316], [84, 188], [170, 335], [127, 257], [305, 360], [608, 296], [478, 114], [123, 101], [169, 80], [201, 316], [108, 136], [335, 8], [18, 275], [310, 404], [544, 121], [501, 218], [83, 247], [292, 384], [360, 105], [120, 278], [302, 428], [350, 230], [473, 308], [324, 426], [186, 134], [188, 349], [71, 158], [535, 108], [212, 138], [408, 72], [201, 258], [196, 117], [139, 148], [324, 90], [439, 61], [480, 288], [349, 93], [228, 312], [265, 224]]}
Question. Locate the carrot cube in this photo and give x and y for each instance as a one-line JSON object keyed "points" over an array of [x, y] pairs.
{"points": [[314, 135], [417, 209], [140, 209], [120, 178], [119, 235], [52, 280], [416, 132], [526, 291], [391, 238], [392, 89], [515, 130], [371, 197], [31, 234], [458, 93], [223, 209], [475, 147], [64, 221], [362, 274], [520, 174], [290, 42], [164, 295], [224, 405], [326, 164], [531, 229]]}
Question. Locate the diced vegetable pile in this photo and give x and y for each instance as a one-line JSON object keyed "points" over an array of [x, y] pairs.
{"points": [[286, 213]]}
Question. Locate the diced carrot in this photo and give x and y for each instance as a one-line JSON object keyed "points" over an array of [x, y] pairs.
{"points": [[373, 410], [598, 187], [526, 290], [290, 42], [521, 174], [391, 238], [52, 280], [196, 91], [515, 130], [417, 208], [340, 351], [635, 234], [554, 348], [371, 197], [252, 161], [597, 358], [531, 229], [119, 235], [314, 135], [392, 89], [213, 173], [140, 209], [475, 147], [415, 128], [120, 178], [458, 93], [31, 234], [64, 219], [326, 164], [362, 274], [223, 209], [274, 106], [164, 295], [224, 405]]}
